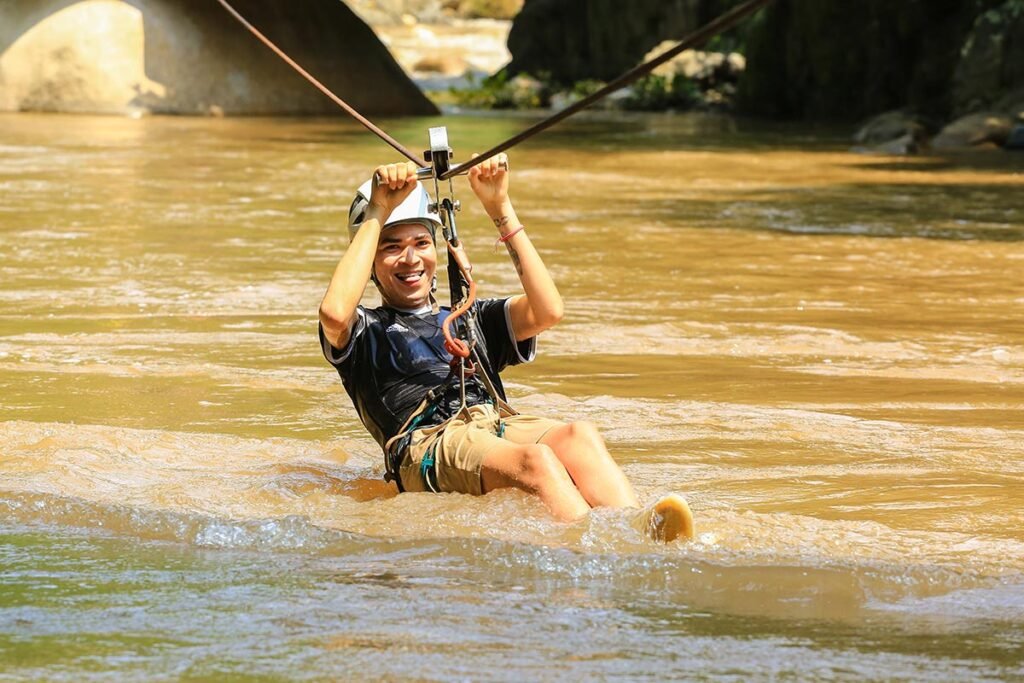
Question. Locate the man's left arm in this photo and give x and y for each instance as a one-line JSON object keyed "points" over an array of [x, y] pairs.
{"points": [[540, 307]]}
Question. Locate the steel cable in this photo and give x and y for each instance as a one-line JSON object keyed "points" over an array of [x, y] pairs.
{"points": [[323, 88], [698, 37]]}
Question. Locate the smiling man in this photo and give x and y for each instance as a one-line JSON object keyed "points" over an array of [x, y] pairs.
{"points": [[395, 368]]}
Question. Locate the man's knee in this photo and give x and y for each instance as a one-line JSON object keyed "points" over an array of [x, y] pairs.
{"points": [[578, 434], [584, 431], [539, 467]]}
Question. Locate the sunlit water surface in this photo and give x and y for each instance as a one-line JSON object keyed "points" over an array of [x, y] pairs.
{"points": [[823, 351]]}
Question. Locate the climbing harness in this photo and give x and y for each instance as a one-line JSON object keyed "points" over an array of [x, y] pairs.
{"points": [[459, 327], [459, 330]]}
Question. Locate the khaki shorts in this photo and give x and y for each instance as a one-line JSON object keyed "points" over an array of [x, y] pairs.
{"points": [[460, 446]]}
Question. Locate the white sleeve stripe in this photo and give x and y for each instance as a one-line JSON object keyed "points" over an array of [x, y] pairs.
{"points": [[532, 352], [329, 351]]}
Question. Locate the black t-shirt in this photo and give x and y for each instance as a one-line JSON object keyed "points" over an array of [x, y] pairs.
{"points": [[394, 357]]}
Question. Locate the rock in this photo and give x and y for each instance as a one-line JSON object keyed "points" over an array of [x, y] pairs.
{"points": [[471, 78], [442, 63], [615, 100], [714, 98], [410, 12], [974, 130], [561, 100], [527, 92], [901, 146], [489, 9], [1012, 104], [479, 45], [991, 59], [183, 57], [707, 68], [426, 37], [737, 63], [401, 12], [1016, 139], [890, 127]]}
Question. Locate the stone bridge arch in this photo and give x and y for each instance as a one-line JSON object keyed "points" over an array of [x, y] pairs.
{"points": [[191, 57]]}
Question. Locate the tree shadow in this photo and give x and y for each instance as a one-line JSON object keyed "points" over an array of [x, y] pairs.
{"points": [[994, 160]]}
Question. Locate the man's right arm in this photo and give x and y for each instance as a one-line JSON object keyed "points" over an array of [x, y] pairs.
{"points": [[338, 308]]}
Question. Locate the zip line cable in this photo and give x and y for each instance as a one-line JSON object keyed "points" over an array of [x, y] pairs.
{"points": [[720, 25], [698, 37], [439, 169]]}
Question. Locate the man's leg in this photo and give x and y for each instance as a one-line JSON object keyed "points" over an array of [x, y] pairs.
{"points": [[470, 458], [580, 448], [533, 468]]}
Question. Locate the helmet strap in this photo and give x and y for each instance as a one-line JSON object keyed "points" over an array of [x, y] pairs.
{"points": [[434, 306]]}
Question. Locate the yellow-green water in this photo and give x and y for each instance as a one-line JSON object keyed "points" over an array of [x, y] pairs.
{"points": [[823, 351]]}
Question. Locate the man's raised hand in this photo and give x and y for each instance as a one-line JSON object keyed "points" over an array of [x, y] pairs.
{"points": [[489, 180], [392, 184]]}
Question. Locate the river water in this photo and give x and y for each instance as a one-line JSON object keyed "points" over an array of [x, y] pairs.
{"points": [[823, 351]]}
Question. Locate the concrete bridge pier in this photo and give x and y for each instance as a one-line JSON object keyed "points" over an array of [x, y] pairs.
{"points": [[192, 57]]}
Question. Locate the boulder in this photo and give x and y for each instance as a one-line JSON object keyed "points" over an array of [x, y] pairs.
{"points": [[396, 12], [889, 127], [901, 146], [1016, 139], [975, 130], [442, 63], [527, 92], [708, 69]]}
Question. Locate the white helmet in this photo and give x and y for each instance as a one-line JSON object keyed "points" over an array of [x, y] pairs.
{"points": [[414, 209]]}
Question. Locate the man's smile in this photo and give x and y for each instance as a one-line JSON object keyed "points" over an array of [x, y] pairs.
{"points": [[411, 278]]}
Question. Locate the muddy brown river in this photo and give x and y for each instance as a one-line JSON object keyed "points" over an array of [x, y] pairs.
{"points": [[824, 352]]}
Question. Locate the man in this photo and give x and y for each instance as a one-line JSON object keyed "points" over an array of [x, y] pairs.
{"points": [[390, 357]]}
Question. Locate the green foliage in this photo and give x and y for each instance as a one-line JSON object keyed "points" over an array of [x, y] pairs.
{"points": [[655, 93], [729, 42], [650, 93], [501, 92], [1008, 11], [491, 93], [586, 87], [685, 92]]}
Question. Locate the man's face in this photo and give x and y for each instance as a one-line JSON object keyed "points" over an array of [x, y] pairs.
{"points": [[405, 264]]}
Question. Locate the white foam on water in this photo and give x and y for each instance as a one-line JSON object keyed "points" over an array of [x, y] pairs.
{"points": [[285, 494]]}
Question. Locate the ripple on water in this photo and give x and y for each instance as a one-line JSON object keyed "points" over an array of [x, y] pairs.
{"points": [[287, 495]]}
